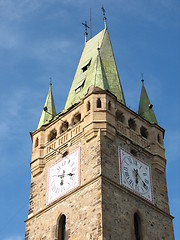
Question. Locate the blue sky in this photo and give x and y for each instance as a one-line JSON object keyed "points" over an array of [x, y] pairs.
{"points": [[40, 39]]}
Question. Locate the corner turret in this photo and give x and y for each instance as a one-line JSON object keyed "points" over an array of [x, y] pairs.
{"points": [[145, 107], [49, 111]]}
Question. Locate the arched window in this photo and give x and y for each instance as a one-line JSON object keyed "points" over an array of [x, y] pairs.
{"points": [[109, 105], [76, 119], [137, 227], [159, 138], [120, 116], [88, 106], [144, 132], [132, 124], [98, 103], [64, 127], [62, 228], [37, 142], [52, 135]]}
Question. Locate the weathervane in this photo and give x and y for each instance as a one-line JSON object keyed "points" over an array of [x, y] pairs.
{"points": [[86, 27], [104, 14]]}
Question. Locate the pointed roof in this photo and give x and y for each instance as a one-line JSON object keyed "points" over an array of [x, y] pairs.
{"points": [[145, 107], [97, 68], [49, 111]]}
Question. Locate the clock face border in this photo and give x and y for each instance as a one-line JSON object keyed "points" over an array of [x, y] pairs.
{"points": [[125, 184], [75, 157]]}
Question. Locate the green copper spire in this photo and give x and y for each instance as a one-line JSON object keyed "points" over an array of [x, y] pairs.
{"points": [[49, 111], [96, 68], [145, 107]]}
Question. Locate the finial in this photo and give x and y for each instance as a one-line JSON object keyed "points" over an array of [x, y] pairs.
{"points": [[86, 27], [50, 81], [142, 79], [104, 14]]}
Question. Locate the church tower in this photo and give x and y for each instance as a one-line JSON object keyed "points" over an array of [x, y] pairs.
{"points": [[98, 169]]}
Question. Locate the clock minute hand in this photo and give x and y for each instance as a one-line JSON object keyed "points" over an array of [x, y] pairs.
{"points": [[61, 183], [142, 180], [68, 174]]}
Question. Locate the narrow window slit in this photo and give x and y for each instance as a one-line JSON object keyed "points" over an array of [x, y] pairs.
{"points": [[137, 227], [62, 228], [98, 103]]}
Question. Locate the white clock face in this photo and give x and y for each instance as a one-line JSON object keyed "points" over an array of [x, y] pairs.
{"points": [[63, 177], [135, 175]]}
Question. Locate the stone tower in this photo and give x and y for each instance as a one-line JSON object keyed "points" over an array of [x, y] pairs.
{"points": [[98, 168]]}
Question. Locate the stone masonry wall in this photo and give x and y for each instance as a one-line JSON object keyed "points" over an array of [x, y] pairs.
{"points": [[120, 204], [83, 216], [110, 169], [118, 211], [81, 207]]}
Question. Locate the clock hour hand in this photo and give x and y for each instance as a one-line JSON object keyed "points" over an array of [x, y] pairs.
{"points": [[62, 175], [136, 175], [61, 183]]}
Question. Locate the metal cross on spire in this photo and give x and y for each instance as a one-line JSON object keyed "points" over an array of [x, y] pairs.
{"points": [[104, 14], [86, 27]]}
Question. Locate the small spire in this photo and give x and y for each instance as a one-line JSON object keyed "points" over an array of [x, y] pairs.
{"points": [[86, 27], [104, 14], [49, 111], [145, 107]]}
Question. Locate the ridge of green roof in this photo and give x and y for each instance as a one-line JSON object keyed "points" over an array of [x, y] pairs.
{"points": [[49, 111], [96, 68], [145, 110]]}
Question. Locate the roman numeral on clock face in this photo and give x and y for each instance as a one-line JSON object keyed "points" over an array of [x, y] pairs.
{"points": [[135, 175]]}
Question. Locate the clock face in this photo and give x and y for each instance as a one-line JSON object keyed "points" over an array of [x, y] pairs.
{"points": [[63, 177], [135, 175]]}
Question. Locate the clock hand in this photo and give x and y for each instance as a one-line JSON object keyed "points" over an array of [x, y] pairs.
{"points": [[61, 183], [144, 184], [62, 175], [70, 174], [136, 175]]}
